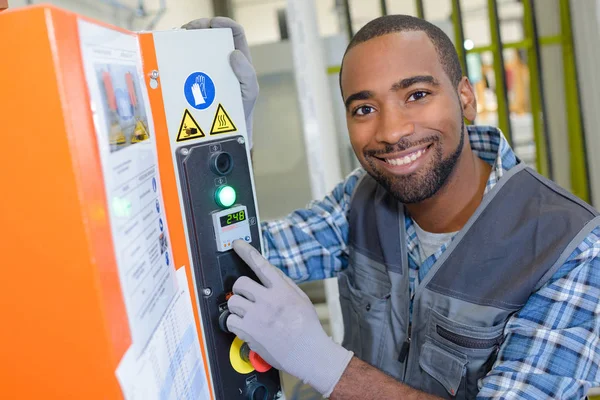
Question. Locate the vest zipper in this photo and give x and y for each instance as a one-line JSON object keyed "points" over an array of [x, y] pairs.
{"points": [[402, 357], [466, 341]]}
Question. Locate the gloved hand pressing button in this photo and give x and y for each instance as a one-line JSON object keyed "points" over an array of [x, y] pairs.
{"points": [[279, 322]]}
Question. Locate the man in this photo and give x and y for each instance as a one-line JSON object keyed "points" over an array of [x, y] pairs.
{"points": [[462, 272]]}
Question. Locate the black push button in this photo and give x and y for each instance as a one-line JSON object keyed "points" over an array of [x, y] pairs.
{"points": [[223, 320], [257, 391], [221, 163]]}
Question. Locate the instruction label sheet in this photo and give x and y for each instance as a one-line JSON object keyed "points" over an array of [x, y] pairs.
{"points": [[171, 366], [128, 154]]}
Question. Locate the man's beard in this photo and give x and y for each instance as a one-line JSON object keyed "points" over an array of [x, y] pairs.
{"points": [[420, 185]]}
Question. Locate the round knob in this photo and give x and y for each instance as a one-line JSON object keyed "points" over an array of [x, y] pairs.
{"points": [[221, 163], [223, 320], [257, 391]]}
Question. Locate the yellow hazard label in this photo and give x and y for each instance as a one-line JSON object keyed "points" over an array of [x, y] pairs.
{"points": [[189, 128], [140, 133], [116, 136], [222, 123]]}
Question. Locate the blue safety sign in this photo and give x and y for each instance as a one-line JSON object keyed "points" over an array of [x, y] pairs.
{"points": [[199, 90], [167, 258], [154, 184], [160, 224]]}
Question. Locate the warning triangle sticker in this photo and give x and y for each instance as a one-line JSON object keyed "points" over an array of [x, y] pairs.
{"points": [[189, 128], [222, 123], [139, 133]]}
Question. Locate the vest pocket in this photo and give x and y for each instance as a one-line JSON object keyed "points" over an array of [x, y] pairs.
{"points": [[368, 276], [446, 368], [479, 345], [365, 319]]}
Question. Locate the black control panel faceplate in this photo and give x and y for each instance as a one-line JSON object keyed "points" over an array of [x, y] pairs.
{"points": [[215, 271]]}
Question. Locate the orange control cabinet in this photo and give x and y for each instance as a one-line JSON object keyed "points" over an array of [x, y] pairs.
{"points": [[125, 176]]}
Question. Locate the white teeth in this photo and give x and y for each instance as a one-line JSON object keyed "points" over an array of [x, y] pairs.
{"points": [[406, 159]]}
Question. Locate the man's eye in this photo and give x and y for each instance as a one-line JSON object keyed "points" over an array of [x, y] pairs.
{"points": [[363, 110], [418, 95]]}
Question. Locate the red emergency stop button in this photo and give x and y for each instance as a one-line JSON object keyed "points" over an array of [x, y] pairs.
{"points": [[254, 359], [258, 363]]}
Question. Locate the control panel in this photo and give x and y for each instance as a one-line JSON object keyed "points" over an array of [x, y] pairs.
{"points": [[219, 204]]}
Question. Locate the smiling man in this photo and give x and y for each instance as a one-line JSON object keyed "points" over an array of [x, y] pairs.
{"points": [[462, 272]]}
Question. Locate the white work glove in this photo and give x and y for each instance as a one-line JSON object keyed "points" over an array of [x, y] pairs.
{"points": [[240, 60], [279, 322]]}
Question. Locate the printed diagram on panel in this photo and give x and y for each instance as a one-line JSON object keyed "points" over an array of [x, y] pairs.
{"points": [[125, 115]]}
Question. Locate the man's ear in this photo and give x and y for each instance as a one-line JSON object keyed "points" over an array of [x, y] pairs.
{"points": [[467, 99]]}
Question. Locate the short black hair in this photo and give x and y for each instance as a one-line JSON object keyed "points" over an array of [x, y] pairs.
{"points": [[405, 23]]}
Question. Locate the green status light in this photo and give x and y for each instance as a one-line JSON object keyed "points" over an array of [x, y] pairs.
{"points": [[225, 196]]}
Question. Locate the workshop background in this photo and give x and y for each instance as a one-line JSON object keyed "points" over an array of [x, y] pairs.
{"points": [[533, 64]]}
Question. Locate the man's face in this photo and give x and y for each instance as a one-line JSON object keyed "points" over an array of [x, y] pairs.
{"points": [[404, 115]]}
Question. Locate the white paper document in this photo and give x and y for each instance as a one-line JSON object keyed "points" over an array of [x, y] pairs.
{"points": [[126, 142], [171, 366]]}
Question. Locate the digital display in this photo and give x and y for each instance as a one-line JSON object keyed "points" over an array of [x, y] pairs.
{"points": [[233, 218]]}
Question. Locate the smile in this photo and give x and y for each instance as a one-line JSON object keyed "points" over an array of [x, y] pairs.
{"points": [[407, 159]]}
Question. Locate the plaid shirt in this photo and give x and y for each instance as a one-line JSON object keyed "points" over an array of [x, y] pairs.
{"points": [[552, 345]]}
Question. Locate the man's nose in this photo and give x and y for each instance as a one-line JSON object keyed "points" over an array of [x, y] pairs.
{"points": [[393, 126]]}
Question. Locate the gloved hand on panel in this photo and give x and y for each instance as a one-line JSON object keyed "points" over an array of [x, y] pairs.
{"points": [[279, 322], [240, 60]]}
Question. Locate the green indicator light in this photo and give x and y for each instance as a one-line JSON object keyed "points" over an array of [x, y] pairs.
{"points": [[225, 196]]}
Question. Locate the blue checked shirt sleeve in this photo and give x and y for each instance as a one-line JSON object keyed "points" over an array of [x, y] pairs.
{"points": [[310, 244], [552, 346]]}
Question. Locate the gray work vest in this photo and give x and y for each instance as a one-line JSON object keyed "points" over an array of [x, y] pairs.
{"points": [[523, 231]]}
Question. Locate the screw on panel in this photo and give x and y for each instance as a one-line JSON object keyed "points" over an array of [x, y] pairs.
{"points": [[154, 79], [207, 291], [278, 394], [241, 140], [185, 152]]}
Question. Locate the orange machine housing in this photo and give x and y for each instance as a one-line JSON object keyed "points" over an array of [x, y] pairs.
{"points": [[64, 324]]}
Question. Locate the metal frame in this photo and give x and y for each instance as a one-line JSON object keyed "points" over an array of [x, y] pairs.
{"points": [[348, 15], [383, 6], [499, 71], [459, 35], [577, 156], [420, 9], [541, 135]]}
